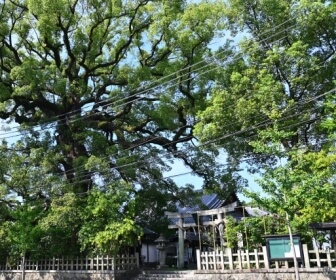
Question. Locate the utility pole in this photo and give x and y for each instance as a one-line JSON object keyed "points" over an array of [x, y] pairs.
{"points": [[23, 263], [296, 266]]}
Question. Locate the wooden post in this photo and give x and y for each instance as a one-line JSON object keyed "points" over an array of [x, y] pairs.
{"points": [[180, 243], [199, 232], [248, 259], [306, 255], [198, 258], [277, 264], [329, 258], [206, 260], [229, 253], [317, 253], [239, 259], [222, 259], [266, 261], [256, 257]]}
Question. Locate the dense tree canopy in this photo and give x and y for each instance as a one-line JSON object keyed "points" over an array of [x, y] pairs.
{"points": [[102, 94], [273, 104]]}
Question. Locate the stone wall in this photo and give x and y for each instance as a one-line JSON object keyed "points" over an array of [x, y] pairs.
{"points": [[57, 275], [252, 274], [67, 275], [268, 274]]}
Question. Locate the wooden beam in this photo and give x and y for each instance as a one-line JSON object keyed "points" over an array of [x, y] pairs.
{"points": [[200, 213], [177, 215], [215, 211], [188, 225]]}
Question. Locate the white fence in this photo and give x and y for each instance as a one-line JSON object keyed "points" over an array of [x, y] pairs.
{"points": [[99, 263], [254, 259]]}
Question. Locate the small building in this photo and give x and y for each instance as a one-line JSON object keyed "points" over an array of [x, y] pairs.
{"points": [[201, 226], [148, 251], [196, 226]]}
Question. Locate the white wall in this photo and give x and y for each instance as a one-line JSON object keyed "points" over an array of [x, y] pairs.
{"points": [[152, 252]]}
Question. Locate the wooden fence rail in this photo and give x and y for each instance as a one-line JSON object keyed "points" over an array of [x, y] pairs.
{"points": [[254, 259], [216, 260], [99, 263]]}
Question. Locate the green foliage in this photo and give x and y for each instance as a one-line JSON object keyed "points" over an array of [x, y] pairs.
{"points": [[100, 93], [109, 220], [248, 233], [270, 82], [232, 231], [272, 107]]}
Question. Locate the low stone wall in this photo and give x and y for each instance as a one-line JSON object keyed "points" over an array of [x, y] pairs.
{"points": [[57, 275], [246, 274], [68, 275], [267, 274]]}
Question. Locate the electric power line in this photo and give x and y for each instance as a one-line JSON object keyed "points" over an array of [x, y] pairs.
{"points": [[210, 142], [147, 89]]}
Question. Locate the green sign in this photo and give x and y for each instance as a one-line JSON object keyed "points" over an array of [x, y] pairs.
{"points": [[280, 248]]}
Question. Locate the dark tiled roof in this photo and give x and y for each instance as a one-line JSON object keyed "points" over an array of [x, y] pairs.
{"points": [[209, 201], [212, 201]]}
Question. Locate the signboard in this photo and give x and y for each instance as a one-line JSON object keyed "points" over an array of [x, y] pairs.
{"points": [[279, 247]]}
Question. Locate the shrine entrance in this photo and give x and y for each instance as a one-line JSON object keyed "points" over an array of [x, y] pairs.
{"points": [[197, 220]]}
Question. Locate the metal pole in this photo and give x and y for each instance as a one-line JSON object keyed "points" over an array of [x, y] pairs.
{"points": [[296, 266], [23, 263]]}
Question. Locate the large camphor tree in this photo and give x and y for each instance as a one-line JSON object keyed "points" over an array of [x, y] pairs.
{"points": [[273, 104], [100, 97]]}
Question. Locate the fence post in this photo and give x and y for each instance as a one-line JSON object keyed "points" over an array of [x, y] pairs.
{"points": [[266, 261], [198, 258], [248, 259], [239, 259], [256, 257], [230, 257], [329, 258], [206, 260], [306, 255], [317, 253], [222, 259]]}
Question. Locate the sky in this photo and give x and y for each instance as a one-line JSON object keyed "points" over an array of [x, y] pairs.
{"points": [[178, 168]]}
